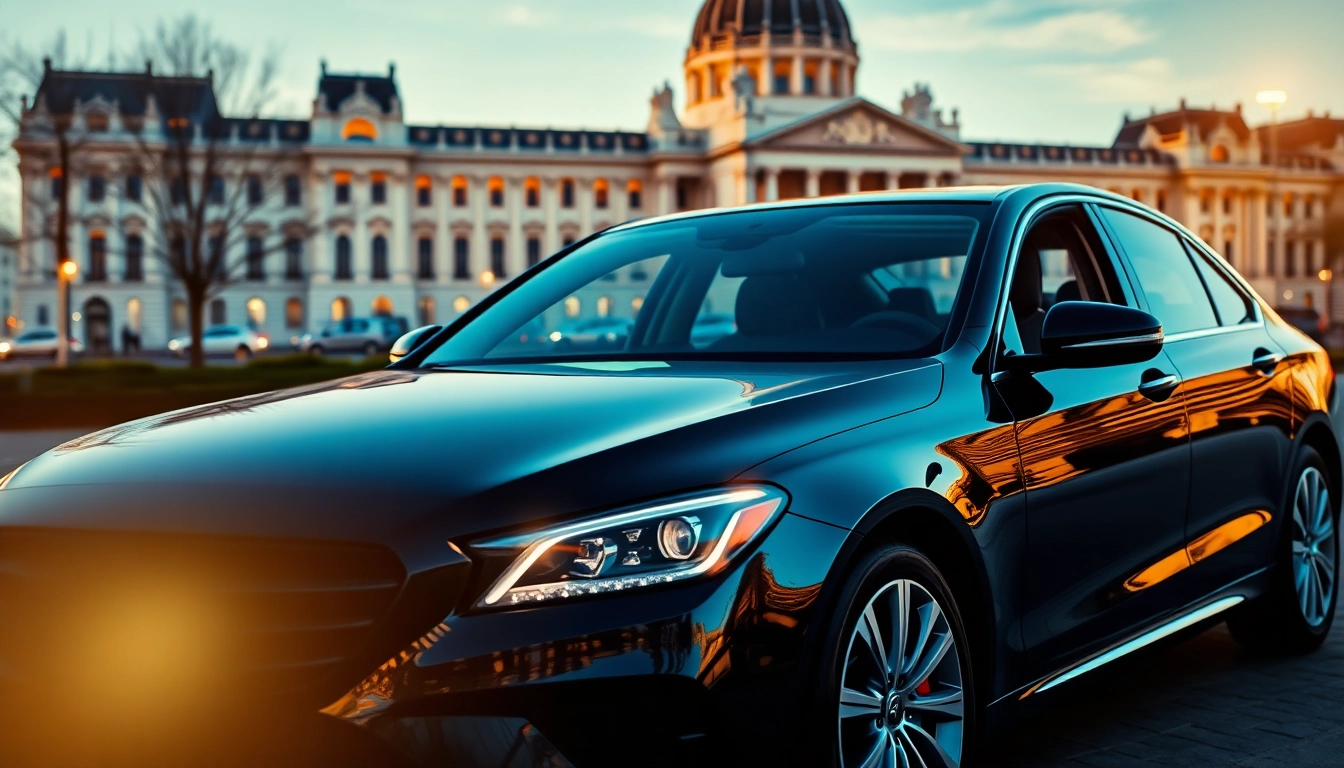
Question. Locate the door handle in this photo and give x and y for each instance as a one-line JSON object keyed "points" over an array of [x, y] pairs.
{"points": [[1160, 388], [1266, 362]]}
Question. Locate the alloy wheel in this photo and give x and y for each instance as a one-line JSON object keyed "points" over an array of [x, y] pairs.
{"points": [[901, 702], [1314, 547]]}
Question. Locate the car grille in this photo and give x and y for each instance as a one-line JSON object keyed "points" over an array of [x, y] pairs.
{"points": [[205, 614]]}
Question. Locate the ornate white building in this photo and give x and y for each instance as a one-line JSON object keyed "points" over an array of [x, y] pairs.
{"points": [[424, 220]]}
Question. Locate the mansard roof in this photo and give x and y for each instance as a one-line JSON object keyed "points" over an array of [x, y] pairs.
{"points": [[1202, 121], [337, 88], [174, 96], [1311, 132]]}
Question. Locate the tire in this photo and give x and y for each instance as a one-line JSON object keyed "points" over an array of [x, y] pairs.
{"points": [[866, 702], [370, 349], [316, 350], [242, 354], [1295, 615]]}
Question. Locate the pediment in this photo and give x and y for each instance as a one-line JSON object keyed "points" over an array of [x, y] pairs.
{"points": [[860, 125]]}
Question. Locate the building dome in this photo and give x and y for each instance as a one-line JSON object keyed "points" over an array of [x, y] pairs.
{"points": [[729, 23]]}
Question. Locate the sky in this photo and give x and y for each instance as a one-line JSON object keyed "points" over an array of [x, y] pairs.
{"points": [[1063, 71]]}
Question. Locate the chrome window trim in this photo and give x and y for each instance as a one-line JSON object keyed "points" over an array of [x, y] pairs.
{"points": [[1220, 330]]}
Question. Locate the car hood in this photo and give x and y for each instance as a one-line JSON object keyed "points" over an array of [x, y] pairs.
{"points": [[377, 455]]}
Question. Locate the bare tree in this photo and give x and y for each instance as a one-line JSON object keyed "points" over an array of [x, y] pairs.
{"points": [[23, 71], [216, 169]]}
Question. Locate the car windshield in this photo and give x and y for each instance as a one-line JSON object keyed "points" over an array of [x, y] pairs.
{"points": [[864, 280]]}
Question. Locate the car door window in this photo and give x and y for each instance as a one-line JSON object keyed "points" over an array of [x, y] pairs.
{"points": [[1233, 307], [1175, 293], [1061, 259]]}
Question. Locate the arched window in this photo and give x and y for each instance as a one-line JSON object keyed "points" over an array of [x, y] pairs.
{"points": [[378, 188], [97, 189], [811, 76], [1219, 154], [460, 190], [380, 271], [636, 304], [496, 187], [359, 129], [256, 313], [345, 269], [340, 309], [341, 180], [783, 77], [573, 307], [219, 312], [178, 314], [424, 191], [294, 313], [604, 306], [635, 190], [135, 258], [532, 191], [461, 304], [601, 193], [381, 306], [426, 306]]}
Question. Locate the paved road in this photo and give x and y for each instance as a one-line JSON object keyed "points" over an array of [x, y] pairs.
{"points": [[1202, 702]]}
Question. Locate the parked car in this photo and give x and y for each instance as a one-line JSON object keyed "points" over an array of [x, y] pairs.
{"points": [[368, 336], [219, 340], [593, 332], [1306, 320], [854, 531], [39, 342]]}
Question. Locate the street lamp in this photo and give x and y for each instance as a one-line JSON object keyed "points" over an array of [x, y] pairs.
{"points": [[1274, 100], [65, 275]]}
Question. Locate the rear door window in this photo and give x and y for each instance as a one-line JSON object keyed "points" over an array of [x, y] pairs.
{"points": [[1233, 306], [1174, 290]]}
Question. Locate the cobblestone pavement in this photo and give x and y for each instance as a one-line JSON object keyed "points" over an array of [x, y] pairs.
{"points": [[1203, 702]]}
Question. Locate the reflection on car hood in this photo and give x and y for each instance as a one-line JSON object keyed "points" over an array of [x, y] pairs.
{"points": [[399, 445]]}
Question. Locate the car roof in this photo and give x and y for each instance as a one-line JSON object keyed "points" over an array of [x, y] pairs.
{"points": [[970, 194]]}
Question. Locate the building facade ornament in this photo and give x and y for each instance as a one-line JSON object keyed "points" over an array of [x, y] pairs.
{"points": [[858, 129]]}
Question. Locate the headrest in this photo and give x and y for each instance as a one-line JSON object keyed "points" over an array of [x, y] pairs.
{"points": [[776, 305], [1069, 292], [916, 300], [1025, 294]]}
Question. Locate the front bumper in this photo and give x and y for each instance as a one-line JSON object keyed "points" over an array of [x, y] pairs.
{"points": [[690, 672]]}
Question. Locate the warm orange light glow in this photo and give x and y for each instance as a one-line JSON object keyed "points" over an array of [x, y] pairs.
{"points": [[423, 182], [56, 172], [1326, 275], [1200, 549], [359, 129], [341, 177], [69, 269], [487, 278]]}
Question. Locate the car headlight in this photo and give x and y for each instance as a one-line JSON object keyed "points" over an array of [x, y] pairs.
{"points": [[652, 544], [262, 343], [174, 345], [4, 347]]}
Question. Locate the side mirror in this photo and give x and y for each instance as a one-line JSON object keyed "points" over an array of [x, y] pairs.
{"points": [[1085, 334], [407, 344]]}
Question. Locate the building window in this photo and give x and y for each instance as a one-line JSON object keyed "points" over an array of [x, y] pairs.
{"points": [[426, 259], [177, 192], [636, 192], [342, 180], [636, 304], [497, 257], [533, 251], [424, 191], [217, 256], [256, 313], [97, 189], [380, 271], [134, 188], [340, 309], [345, 268], [567, 193], [604, 306], [601, 193], [216, 194], [42, 315], [57, 185], [135, 315], [178, 314], [293, 192], [293, 259], [496, 192], [1227, 204], [1290, 259], [135, 256], [1205, 201], [1227, 251], [426, 307], [1161, 201], [378, 188], [532, 189], [810, 72], [783, 72], [255, 194], [568, 241], [97, 257], [381, 306], [1309, 207], [573, 307], [460, 192], [1288, 205], [359, 129], [461, 304], [294, 313], [461, 258], [219, 312], [1219, 154], [256, 259]]}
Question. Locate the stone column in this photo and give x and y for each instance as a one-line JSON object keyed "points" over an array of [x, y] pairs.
{"points": [[400, 239], [443, 233], [478, 194], [813, 182], [771, 184], [361, 251], [583, 193], [893, 180], [513, 198], [667, 196], [1280, 227], [1217, 243], [1259, 235], [931, 179], [550, 193], [320, 203], [796, 76], [853, 181]]}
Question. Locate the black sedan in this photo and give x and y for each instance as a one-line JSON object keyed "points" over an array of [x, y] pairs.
{"points": [[958, 449]]}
